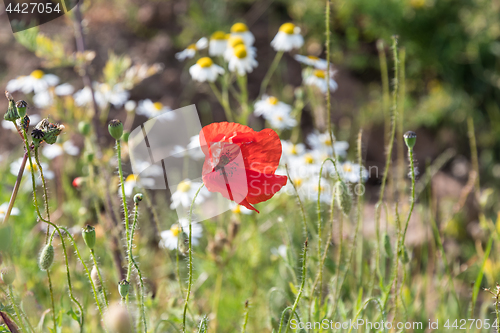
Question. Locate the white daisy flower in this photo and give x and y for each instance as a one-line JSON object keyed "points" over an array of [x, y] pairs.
{"points": [[269, 105], [64, 89], [287, 38], [241, 61], [312, 61], [170, 238], [205, 70], [239, 209], [350, 172], [43, 99], [292, 150], [319, 79], [14, 169], [185, 193], [322, 142], [217, 44], [130, 106], [103, 94], [83, 97], [132, 181], [149, 109], [190, 51], [3, 210], [36, 82], [241, 30], [234, 41], [326, 190], [281, 120], [57, 149]]}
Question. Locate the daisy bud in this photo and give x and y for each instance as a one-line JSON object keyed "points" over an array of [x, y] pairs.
{"points": [[343, 197], [78, 181], [12, 113], [115, 128], [21, 107], [138, 198], [84, 128], [183, 242], [88, 234], [94, 275], [387, 246], [125, 137], [46, 257], [123, 288], [25, 122], [8, 275], [117, 319], [410, 139]]}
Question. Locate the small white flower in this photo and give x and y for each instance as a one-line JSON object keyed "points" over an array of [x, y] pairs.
{"points": [[292, 150], [132, 181], [350, 172], [205, 70], [319, 79], [57, 149], [269, 105], [312, 61], [43, 99], [281, 120], [239, 209], [325, 190], [190, 51], [36, 82], [64, 89], [170, 238], [287, 38], [83, 97], [322, 142], [233, 42], [217, 44], [3, 210], [186, 190], [103, 94], [149, 109], [130, 106], [241, 61], [241, 30]]}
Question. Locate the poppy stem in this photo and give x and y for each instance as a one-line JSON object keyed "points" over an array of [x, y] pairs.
{"points": [[270, 72], [16, 187], [223, 101], [190, 266]]}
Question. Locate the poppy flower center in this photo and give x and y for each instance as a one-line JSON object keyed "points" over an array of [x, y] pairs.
{"points": [[37, 74], [205, 62], [158, 106], [175, 229], [240, 51], [287, 28], [184, 186], [235, 40], [239, 27], [320, 74], [219, 35], [272, 100]]}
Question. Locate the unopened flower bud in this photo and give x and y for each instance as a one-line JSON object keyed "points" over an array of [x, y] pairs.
{"points": [[183, 242], [46, 257], [115, 128], [53, 131], [410, 139], [343, 197], [123, 288], [21, 108], [88, 234], [138, 198], [8, 275], [12, 114], [125, 137], [118, 320], [37, 136], [25, 122], [387, 246], [78, 182], [84, 128], [94, 275]]}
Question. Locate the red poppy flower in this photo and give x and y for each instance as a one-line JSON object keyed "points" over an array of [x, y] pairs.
{"points": [[240, 163]]}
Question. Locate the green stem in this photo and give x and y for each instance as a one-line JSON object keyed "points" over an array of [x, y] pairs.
{"points": [[16, 188], [52, 300], [412, 167], [224, 102], [245, 318], [270, 71], [44, 187], [92, 253], [304, 220], [243, 84], [328, 94], [190, 280], [16, 309]]}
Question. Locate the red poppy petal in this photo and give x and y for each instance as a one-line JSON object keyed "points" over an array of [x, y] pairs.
{"points": [[262, 187], [247, 205], [264, 153]]}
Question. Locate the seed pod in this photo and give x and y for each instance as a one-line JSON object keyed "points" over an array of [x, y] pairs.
{"points": [[94, 275], [123, 288], [12, 114], [8, 275], [125, 137], [37, 135], [46, 257], [84, 128], [21, 108], [88, 234], [115, 128], [410, 139], [138, 198], [183, 242], [52, 132], [25, 122], [387, 246], [343, 197]]}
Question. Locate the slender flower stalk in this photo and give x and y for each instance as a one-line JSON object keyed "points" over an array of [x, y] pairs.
{"points": [[16, 308], [224, 102], [44, 187], [328, 93], [245, 109], [304, 220], [410, 136], [16, 188], [190, 251], [245, 318], [270, 72], [103, 289], [122, 185]]}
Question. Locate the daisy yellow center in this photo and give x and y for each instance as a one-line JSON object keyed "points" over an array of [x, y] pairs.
{"points": [[205, 62], [237, 209], [37, 74], [28, 167], [298, 181], [235, 40], [279, 118], [131, 178], [175, 229], [347, 168], [219, 35], [272, 100], [192, 47], [320, 74], [2, 211], [313, 57], [328, 142], [184, 186], [158, 106], [293, 150], [240, 51], [239, 27], [287, 28], [309, 159]]}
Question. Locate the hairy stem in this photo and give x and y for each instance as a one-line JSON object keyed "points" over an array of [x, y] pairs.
{"points": [[270, 72]]}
